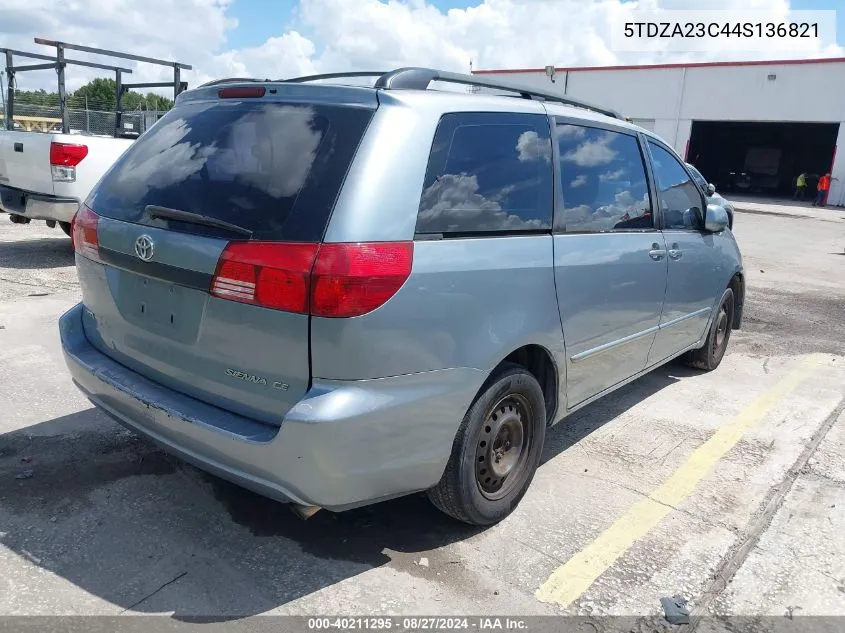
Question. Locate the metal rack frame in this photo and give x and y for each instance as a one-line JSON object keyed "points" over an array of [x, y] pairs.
{"points": [[60, 61]]}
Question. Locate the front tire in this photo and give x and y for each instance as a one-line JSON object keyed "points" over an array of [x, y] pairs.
{"points": [[709, 356], [496, 450], [65, 226]]}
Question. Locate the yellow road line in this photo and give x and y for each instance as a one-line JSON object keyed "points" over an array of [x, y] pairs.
{"points": [[573, 578]]}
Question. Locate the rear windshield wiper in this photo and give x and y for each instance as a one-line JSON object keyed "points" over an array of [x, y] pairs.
{"points": [[155, 211]]}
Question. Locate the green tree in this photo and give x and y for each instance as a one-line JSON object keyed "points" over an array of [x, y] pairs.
{"points": [[132, 101], [36, 97], [98, 94], [101, 96], [157, 102]]}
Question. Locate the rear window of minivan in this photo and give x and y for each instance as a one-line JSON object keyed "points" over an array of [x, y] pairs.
{"points": [[272, 168]]}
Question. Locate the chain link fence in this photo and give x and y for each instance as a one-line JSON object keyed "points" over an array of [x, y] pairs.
{"points": [[40, 112]]}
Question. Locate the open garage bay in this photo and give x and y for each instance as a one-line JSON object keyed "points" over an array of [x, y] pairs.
{"points": [[762, 158]]}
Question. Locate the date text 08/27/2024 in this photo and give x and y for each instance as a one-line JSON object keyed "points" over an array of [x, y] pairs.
{"points": [[417, 623]]}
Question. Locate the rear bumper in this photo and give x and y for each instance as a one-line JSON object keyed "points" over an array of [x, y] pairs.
{"points": [[36, 206], [345, 444]]}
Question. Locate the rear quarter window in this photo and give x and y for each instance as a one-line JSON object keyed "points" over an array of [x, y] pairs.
{"points": [[273, 168], [488, 173]]}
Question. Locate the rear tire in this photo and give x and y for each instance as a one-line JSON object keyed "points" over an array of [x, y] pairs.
{"points": [[65, 226], [709, 356], [496, 450]]}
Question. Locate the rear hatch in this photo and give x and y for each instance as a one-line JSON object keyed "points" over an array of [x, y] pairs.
{"points": [[200, 234]]}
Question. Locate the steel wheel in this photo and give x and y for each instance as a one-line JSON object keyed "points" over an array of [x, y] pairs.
{"points": [[709, 355], [503, 446], [721, 329], [496, 450]]}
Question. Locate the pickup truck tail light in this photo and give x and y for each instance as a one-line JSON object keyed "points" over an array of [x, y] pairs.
{"points": [[84, 233], [64, 157], [325, 280]]}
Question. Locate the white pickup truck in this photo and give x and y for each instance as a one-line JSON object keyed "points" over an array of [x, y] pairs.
{"points": [[45, 176]]}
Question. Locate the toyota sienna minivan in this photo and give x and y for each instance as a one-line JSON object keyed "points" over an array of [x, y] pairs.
{"points": [[334, 295]]}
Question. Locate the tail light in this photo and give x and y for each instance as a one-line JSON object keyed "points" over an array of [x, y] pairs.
{"points": [[84, 233], [270, 274], [328, 280], [64, 157], [353, 279]]}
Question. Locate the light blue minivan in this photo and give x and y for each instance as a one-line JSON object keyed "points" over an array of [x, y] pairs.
{"points": [[334, 295]]}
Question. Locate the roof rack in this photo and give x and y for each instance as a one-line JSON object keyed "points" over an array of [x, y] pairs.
{"points": [[412, 78], [306, 78], [355, 73], [420, 78]]}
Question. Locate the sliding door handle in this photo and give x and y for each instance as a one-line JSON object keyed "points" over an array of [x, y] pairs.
{"points": [[657, 253]]}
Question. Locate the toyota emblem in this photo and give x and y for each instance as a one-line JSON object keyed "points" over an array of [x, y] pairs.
{"points": [[144, 248]]}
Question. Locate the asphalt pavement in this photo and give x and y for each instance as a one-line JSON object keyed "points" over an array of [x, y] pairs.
{"points": [[727, 488]]}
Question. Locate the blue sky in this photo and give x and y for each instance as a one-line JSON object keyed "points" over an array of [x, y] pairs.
{"points": [[284, 38], [259, 20], [831, 5]]}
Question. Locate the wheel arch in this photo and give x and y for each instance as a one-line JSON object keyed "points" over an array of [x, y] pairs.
{"points": [[540, 363]]}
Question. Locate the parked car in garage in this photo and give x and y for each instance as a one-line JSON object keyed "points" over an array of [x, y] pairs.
{"points": [[713, 196], [336, 295]]}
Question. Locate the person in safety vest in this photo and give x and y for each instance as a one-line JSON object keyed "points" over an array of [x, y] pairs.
{"points": [[821, 190], [800, 186]]}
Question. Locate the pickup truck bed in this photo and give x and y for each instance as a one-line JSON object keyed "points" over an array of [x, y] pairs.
{"points": [[45, 176]]}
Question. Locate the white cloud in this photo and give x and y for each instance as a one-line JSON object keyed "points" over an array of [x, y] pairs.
{"points": [[189, 31], [571, 132], [580, 181], [284, 141], [287, 55], [163, 159], [593, 152], [612, 176], [452, 202], [585, 217], [531, 147], [330, 35]]}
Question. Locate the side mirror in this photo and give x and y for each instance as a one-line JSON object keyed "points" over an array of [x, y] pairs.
{"points": [[711, 189], [716, 219]]}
